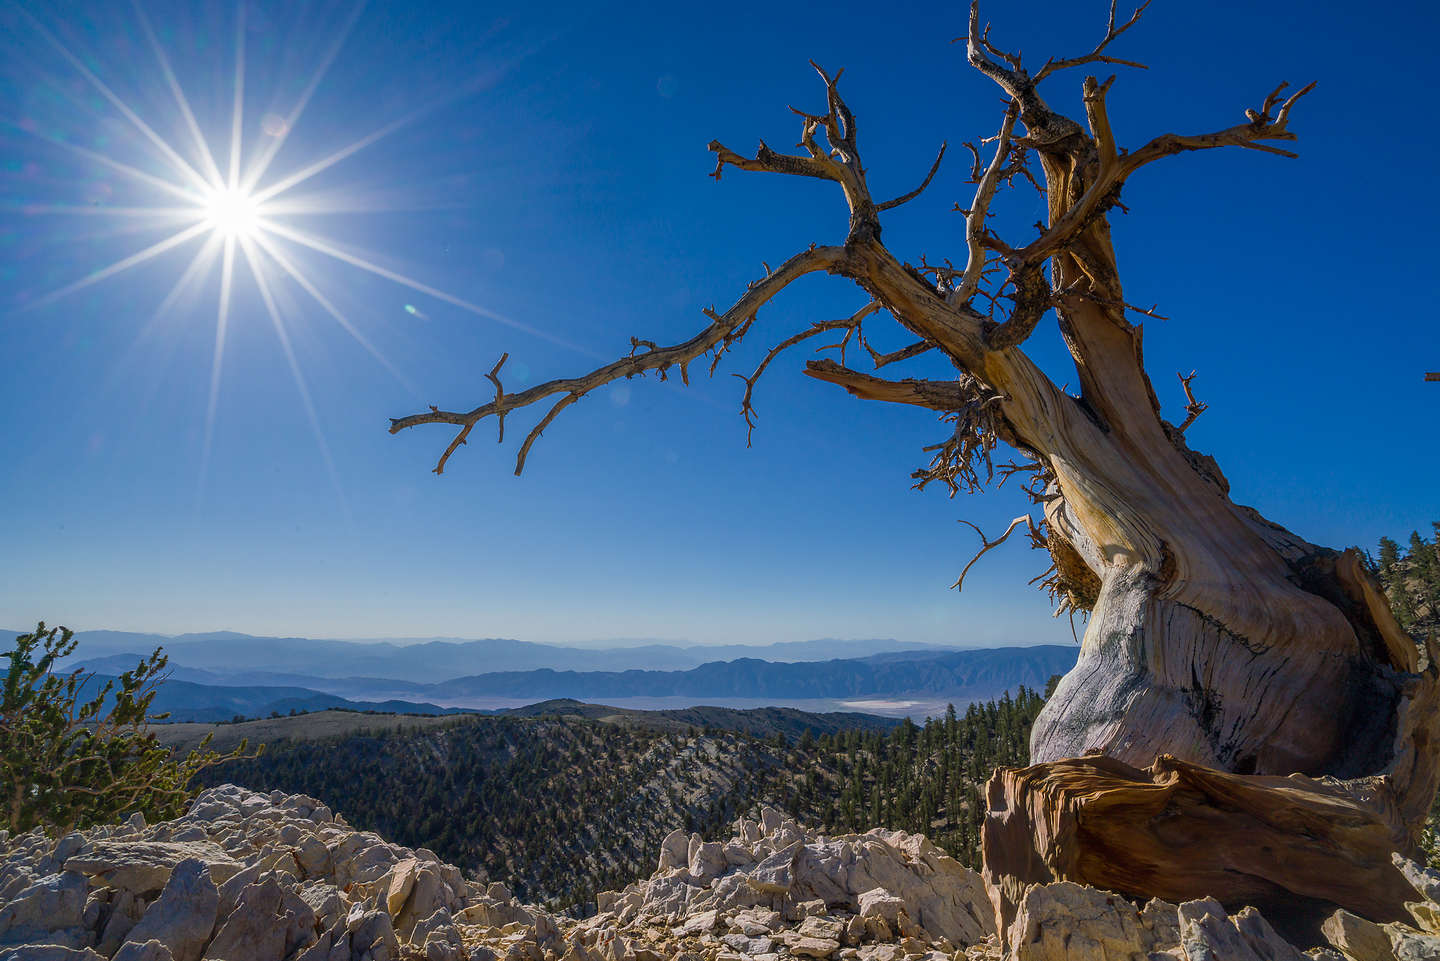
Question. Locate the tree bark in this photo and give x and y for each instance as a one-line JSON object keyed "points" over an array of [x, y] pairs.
{"points": [[1295, 847]]}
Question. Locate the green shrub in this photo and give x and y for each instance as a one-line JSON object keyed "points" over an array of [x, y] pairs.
{"points": [[71, 756]]}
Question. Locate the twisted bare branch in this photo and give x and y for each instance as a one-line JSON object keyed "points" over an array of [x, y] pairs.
{"points": [[906, 198], [1193, 407], [849, 324], [1043, 126], [1087, 170], [965, 401], [1104, 190], [837, 160], [721, 331], [895, 356], [989, 545], [1098, 55], [976, 231], [462, 437]]}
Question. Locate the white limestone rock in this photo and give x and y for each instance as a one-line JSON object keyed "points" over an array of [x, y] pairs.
{"points": [[47, 952], [268, 924], [183, 917], [1411, 945], [52, 903], [1424, 880], [143, 951], [1357, 938], [1056, 922], [145, 866], [674, 851]]}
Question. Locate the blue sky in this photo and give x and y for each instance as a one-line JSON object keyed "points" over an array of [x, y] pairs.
{"points": [[552, 170]]}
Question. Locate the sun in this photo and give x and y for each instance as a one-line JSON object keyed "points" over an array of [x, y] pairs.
{"points": [[232, 212], [237, 216]]}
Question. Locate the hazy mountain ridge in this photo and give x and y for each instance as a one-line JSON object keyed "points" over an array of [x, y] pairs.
{"points": [[964, 674], [956, 676], [187, 701], [763, 722], [434, 660]]}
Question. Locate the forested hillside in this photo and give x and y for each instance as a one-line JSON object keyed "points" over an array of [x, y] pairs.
{"points": [[1411, 578], [561, 807]]}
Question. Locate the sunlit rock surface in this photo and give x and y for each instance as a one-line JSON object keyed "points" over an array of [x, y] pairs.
{"points": [[253, 877]]}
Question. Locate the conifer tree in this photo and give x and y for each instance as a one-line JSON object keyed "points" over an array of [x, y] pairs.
{"points": [[72, 755]]}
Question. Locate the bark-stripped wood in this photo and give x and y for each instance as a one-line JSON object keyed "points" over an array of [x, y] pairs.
{"points": [[1180, 831], [1214, 636]]}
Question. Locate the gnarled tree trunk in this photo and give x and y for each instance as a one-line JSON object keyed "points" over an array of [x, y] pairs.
{"points": [[1215, 638]]}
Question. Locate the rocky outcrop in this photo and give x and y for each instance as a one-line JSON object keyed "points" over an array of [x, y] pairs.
{"points": [[241, 877], [251, 877], [776, 865], [776, 890]]}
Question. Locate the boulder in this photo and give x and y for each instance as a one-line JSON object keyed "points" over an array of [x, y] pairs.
{"points": [[145, 866], [1262, 938], [325, 901], [738, 855], [143, 951], [52, 903], [183, 917], [438, 938], [674, 851], [879, 903], [372, 937], [1357, 938], [266, 924], [701, 923], [233, 887], [1207, 934], [813, 947], [402, 881], [47, 952], [775, 874], [1410, 945], [125, 909], [1062, 921], [313, 856], [708, 861], [1162, 920], [428, 894]]}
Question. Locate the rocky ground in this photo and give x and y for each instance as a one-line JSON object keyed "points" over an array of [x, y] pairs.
{"points": [[253, 877]]}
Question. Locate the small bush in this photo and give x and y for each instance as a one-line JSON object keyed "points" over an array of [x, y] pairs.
{"points": [[71, 756]]}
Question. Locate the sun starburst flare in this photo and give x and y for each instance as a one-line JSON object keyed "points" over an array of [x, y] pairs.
{"points": [[233, 213], [236, 214]]}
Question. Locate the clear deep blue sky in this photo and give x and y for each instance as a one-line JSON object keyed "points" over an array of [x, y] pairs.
{"points": [[557, 175]]}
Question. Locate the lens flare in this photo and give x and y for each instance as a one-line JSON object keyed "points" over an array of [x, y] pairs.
{"points": [[241, 217]]}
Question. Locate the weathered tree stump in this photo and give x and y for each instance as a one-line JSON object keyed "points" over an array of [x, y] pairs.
{"points": [[1179, 831]]}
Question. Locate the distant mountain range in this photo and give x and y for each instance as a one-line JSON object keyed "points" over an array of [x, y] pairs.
{"points": [[218, 676], [284, 660], [966, 675], [933, 679], [186, 701]]}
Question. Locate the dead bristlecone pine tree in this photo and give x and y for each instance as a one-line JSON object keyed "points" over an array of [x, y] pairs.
{"points": [[1246, 719]]}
